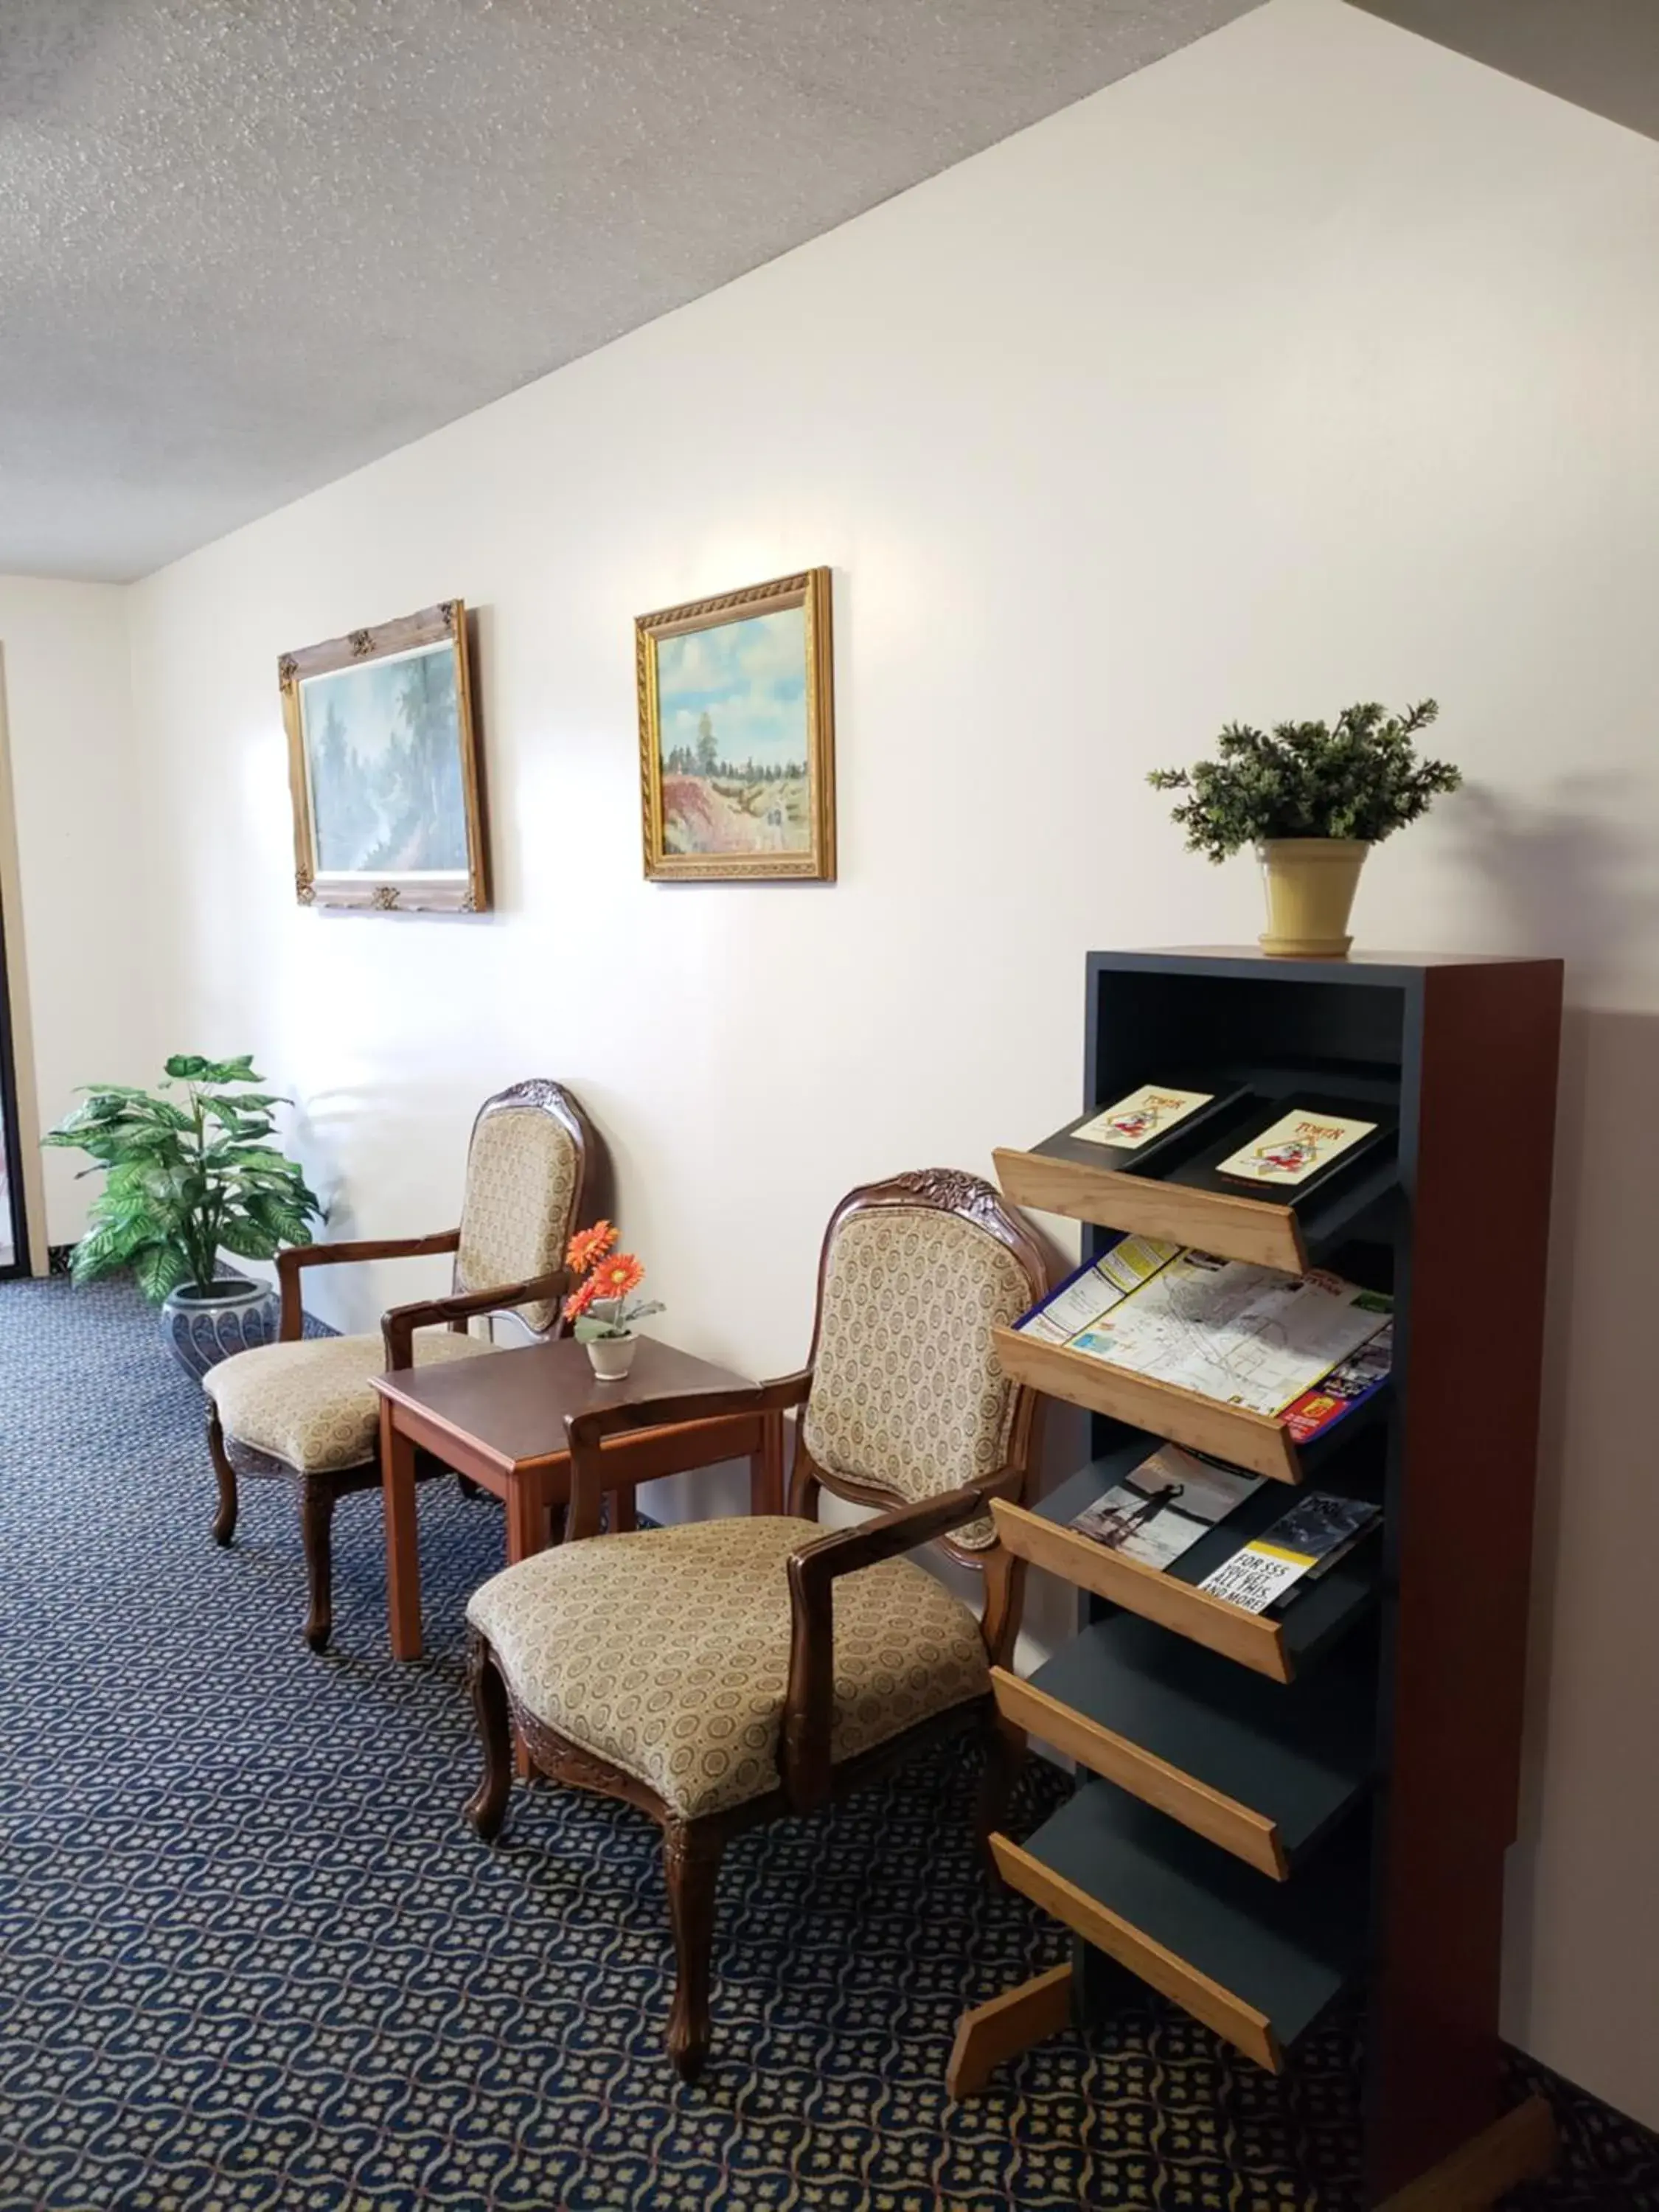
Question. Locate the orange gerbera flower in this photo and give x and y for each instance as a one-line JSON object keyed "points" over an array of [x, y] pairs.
{"points": [[579, 1300], [617, 1276], [589, 1245]]}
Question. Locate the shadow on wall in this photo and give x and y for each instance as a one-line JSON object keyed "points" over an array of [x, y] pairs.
{"points": [[1595, 1640], [416, 1138], [1573, 874]]}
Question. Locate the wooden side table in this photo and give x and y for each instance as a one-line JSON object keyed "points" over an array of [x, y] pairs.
{"points": [[500, 1419]]}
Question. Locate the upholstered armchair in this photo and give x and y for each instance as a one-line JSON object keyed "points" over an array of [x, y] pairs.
{"points": [[724, 1673], [304, 1408]]}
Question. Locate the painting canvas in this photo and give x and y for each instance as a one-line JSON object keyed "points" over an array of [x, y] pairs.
{"points": [[385, 769], [735, 728]]}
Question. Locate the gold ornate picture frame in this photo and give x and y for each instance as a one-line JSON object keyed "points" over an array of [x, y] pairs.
{"points": [[385, 768], [737, 736]]}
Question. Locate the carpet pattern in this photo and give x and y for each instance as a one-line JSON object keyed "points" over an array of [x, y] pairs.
{"points": [[250, 1956]]}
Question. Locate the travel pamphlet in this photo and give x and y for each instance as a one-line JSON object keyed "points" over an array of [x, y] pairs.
{"points": [[1162, 1507], [1151, 1112], [1300, 1144], [1316, 1532], [1240, 1335], [1349, 1382], [1084, 1298]]}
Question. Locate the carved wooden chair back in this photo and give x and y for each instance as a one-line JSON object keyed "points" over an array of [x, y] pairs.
{"points": [[529, 1168], [907, 1400]]}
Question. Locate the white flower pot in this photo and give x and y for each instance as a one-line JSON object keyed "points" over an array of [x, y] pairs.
{"points": [[610, 1357]]}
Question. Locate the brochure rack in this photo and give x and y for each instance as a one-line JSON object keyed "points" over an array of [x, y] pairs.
{"points": [[1273, 1807], [1236, 1226]]}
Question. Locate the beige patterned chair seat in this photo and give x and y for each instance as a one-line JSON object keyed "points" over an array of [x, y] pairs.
{"points": [[666, 1652], [310, 1404]]}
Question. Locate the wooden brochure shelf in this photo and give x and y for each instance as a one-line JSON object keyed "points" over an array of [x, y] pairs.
{"points": [[1176, 1194], [1237, 1228], [1278, 1647], [1257, 1962], [1255, 1441], [1263, 1773], [1248, 1639], [1271, 1805]]}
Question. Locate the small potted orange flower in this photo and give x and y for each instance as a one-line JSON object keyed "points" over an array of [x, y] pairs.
{"points": [[603, 1305]]}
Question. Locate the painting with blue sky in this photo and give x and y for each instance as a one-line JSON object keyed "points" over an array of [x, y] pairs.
{"points": [[732, 735]]}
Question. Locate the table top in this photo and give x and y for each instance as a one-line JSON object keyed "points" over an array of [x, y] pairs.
{"points": [[513, 1404]]}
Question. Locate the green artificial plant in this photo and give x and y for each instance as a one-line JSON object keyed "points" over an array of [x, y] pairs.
{"points": [[187, 1176], [1361, 778]]}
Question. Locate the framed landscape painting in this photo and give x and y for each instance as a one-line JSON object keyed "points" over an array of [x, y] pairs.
{"points": [[383, 761], [736, 734]]}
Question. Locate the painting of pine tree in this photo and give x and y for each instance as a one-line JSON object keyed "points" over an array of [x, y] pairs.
{"points": [[384, 746], [735, 713], [384, 762]]}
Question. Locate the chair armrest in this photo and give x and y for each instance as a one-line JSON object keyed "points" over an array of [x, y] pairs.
{"points": [[587, 1433], [809, 1705], [398, 1325], [293, 1257]]}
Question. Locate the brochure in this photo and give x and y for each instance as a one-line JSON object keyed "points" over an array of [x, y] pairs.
{"points": [[1349, 1382], [1151, 1111], [1162, 1507], [1243, 1335], [1300, 1144], [1083, 1297], [1315, 1530]]}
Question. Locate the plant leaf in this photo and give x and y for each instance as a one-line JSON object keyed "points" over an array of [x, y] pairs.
{"points": [[244, 1102], [105, 1248], [158, 1269], [248, 1239], [589, 1331]]}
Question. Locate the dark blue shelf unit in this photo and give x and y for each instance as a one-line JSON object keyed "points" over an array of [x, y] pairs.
{"points": [[1398, 1821]]}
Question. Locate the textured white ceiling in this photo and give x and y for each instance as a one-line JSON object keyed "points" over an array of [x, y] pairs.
{"points": [[248, 245]]}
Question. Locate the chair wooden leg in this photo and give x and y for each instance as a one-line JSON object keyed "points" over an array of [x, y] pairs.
{"points": [[224, 1521], [1005, 1755], [316, 1533], [486, 1808], [691, 1862]]}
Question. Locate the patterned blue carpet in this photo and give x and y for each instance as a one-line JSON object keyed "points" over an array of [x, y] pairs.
{"points": [[250, 1956]]}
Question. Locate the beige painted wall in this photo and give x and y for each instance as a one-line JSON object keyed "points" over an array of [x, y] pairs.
{"points": [[1314, 363], [81, 881]]}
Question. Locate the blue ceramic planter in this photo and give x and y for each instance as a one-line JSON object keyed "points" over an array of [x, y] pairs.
{"points": [[203, 1328]]}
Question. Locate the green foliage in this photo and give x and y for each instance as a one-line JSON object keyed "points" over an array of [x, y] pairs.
{"points": [[1361, 778], [185, 1177], [594, 1327]]}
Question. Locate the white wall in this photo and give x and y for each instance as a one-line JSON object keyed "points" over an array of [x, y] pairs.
{"points": [[83, 882], [1313, 364]]}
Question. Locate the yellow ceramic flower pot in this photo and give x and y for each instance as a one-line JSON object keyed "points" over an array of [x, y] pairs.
{"points": [[1310, 882]]}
